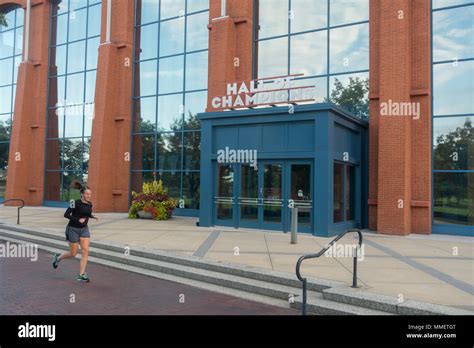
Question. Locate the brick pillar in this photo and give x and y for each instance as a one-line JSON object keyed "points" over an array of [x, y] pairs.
{"points": [[25, 177], [400, 145], [109, 166], [230, 45]]}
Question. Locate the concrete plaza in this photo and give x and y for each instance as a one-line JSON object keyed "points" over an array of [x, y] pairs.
{"points": [[437, 269]]}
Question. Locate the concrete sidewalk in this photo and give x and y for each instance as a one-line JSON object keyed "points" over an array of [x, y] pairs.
{"points": [[436, 269]]}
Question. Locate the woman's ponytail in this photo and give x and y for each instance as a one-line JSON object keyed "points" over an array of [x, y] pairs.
{"points": [[78, 186]]}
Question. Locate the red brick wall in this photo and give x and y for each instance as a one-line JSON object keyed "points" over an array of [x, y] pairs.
{"points": [[400, 146]]}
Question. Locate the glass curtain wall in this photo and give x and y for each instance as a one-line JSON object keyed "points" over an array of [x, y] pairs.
{"points": [[326, 40], [453, 112], [170, 88], [11, 48], [74, 42]]}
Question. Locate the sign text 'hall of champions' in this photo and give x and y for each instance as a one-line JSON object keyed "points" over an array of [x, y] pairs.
{"points": [[264, 92]]}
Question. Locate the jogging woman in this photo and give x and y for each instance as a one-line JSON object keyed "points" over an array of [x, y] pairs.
{"points": [[77, 231]]}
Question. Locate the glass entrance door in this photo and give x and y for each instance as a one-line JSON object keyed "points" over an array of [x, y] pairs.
{"points": [[262, 199], [224, 198], [300, 195]]}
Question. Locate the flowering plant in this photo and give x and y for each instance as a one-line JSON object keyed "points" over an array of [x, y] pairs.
{"points": [[153, 200]]}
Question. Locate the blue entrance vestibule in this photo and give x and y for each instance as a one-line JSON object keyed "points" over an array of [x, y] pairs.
{"points": [[258, 163]]}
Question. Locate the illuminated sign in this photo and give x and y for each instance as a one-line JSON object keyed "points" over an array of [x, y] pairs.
{"points": [[267, 91]]}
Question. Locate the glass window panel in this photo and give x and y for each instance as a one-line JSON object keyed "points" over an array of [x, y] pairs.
{"points": [[196, 71], [453, 34], [4, 148], [196, 31], [138, 178], [5, 127], [272, 57], [197, 5], [75, 4], [90, 86], [453, 143], [5, 99], [248, 193], [75, 57], [61, 29], [273, 18], [57, 89], [20, 17], [6, 43], [191, 185], [148, 77], [194, 103], [146, 111], [172, 37], [86, 154], [172, 8], [454, 198], [52, 186], [94, 21], [348, 11], [60, 7], [349, 48], [143, 157], [88, 119], [356, 103], [309, 54], [77, 25], [6, 68], [72, 154], [170, 112], [18, 41], [445, 3], [453, 88], [17, 61], [169, 147], [350, 193], [308, 15], [149, 11], [55, 123], [338, 202], [92, 53], [320, 87], [148, 41], [73, 121], [171, 182], [54, 154], [69, 193], [75, 89], [192, 150], [171, 74], [60, 52]]}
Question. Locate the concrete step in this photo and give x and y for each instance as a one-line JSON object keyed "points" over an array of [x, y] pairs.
{"points": [[285, 279], [317, 305]]}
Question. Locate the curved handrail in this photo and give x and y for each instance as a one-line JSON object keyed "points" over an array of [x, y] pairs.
{"points": [[21, 206], [326, 248]]}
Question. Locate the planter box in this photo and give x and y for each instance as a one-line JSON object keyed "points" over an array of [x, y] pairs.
{"points": [[144, 214]]}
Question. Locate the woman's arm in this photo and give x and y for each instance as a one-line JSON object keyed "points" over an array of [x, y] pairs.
{"points": [[68, 215]]}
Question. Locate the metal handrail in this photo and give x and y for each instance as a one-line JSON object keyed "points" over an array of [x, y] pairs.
{"points": [[18, 212], [326, 248]]}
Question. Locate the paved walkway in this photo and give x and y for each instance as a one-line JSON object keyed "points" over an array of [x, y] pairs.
{"points": [[437, 268], [35, 288]]}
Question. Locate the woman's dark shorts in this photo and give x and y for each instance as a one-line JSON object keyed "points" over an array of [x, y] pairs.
{"points": [[74, 233]]}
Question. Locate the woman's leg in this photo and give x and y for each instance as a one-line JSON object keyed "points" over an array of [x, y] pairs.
{"points": [[71, 253], [85, 254]]}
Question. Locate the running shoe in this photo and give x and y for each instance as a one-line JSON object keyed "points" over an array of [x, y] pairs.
{"points": [[83, 278], [55, 261]]}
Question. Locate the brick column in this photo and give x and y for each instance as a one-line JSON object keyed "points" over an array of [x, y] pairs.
{"points": [[109, 168], [400, 146], [230, 45], [25, 177]]}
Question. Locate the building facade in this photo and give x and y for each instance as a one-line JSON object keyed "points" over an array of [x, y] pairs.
{"points": [[119, 92]]}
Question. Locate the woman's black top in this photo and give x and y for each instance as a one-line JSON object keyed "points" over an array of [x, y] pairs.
{"points": [[80, 210]]}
